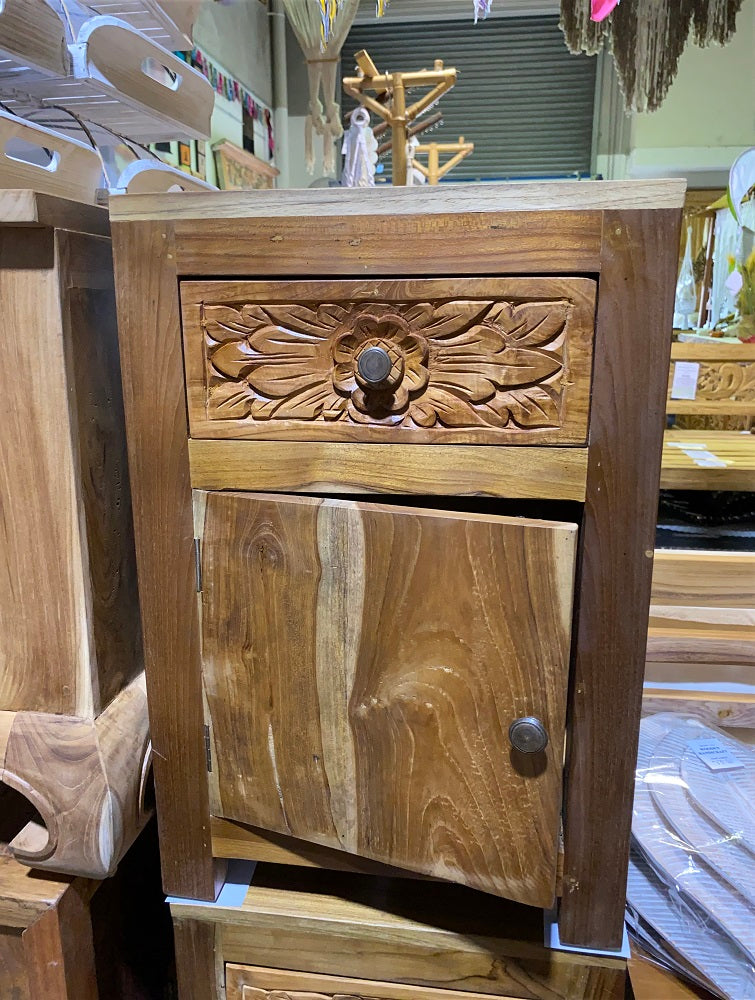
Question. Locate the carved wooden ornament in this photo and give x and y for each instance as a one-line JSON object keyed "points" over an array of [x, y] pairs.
{"points": [[456, 364]]}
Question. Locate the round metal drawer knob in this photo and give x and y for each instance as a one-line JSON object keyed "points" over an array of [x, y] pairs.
{"points": [[528, 735], [374, 365]]}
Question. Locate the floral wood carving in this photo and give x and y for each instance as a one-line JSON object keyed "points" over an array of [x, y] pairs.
{"points": [[727, 380], [458, 363]]}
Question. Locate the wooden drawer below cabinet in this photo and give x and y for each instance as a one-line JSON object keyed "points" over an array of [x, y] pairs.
{"points": [[363, 664], [453, 360], [246, 982]]}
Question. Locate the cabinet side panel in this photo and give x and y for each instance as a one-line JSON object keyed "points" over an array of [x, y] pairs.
{"points": [[632, 348], [44, 641], [155, 405], [88, 300]]}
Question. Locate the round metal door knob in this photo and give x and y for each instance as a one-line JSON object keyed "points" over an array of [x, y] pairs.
{"points": [[528, 735], [374, 366]]}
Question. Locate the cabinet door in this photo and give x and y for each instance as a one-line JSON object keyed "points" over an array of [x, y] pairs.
{"points": [[363, 664]]}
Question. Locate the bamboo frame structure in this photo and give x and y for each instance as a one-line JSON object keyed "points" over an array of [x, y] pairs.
{"points": [[392, 88], [435, 171]]}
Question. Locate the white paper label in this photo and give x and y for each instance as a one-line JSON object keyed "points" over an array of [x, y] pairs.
{"points": [[706, 459], [714, 755], [684, 385], [686, 446]]}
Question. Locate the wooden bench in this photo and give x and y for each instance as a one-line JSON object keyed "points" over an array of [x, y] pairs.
{"points": [[724, 385], [701, 636]]}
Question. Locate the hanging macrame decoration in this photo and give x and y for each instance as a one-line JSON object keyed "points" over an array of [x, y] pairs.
{"points": [[647, 37], [359, 152], [321, 37]]}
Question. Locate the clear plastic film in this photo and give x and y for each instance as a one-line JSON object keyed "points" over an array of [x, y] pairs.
{"points": [[691, 889]]}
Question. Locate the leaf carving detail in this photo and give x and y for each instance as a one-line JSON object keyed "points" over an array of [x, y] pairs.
{"points": [[457, 363]]}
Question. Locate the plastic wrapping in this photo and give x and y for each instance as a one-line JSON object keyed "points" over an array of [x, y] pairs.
{"points": [[691, 890]]}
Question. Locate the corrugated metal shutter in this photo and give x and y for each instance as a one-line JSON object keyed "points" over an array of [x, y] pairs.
{"points": [[525, 102]]}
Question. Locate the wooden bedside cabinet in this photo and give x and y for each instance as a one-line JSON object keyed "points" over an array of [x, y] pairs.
{"points": [[395, 459]]}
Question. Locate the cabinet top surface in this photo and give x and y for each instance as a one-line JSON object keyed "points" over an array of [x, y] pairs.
{"points": [[25, 207], [444, 199]]}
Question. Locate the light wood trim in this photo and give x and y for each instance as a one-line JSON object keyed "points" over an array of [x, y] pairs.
{"points": [[704, 579], [22, 207], [701, 644], [567, 196], [237, 840], [712, 407], [720, 708], [75, 170], [33, 36], [712, 352], [321, 466]]}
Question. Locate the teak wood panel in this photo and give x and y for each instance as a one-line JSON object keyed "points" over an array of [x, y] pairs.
{"points": [[541, 472], [473, 359], [254, 983], [70, 638], [399, 933], [632, 348], [362, 664]]}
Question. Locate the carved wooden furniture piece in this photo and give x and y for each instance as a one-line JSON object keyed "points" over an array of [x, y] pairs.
{"points": [[73, 715], [724, 386], [357, 681], [308, 934]]}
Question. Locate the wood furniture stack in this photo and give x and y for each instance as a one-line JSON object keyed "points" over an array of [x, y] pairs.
{"points": [[724, 387], [395, 527], [74, 741]]}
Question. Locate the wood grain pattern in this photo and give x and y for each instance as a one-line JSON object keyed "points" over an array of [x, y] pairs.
{"points": [[704, 579], [85, 780], [60, 950], [32, 36], [155, 404], [14, 982], [626, 430], [576, 197], [199, 960], [68, 535], [443, 937], [353, 706], [39, 494], [735, 711], [32, 208], [245, 982], [681, 470], [90, 335], [238, 840], [650, 982], [435, 470], [45, 935], [474, 360]]}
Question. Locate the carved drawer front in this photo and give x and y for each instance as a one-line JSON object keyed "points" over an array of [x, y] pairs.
{"points": [[246, 982], [363, 664], [456, 360]]}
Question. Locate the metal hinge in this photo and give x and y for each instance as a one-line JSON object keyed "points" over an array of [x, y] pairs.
{"points": [[208, 749], [198, 564]]}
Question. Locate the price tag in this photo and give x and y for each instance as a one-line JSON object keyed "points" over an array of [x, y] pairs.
{"points": [[684, 385], [714, 755]]}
